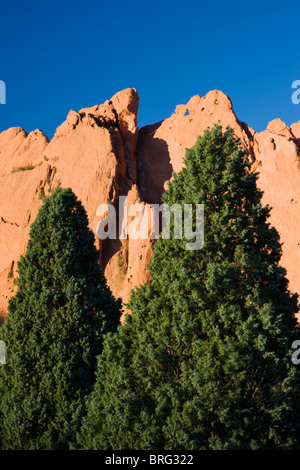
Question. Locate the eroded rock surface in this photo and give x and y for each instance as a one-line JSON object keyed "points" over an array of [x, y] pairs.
{"points": [[100, 153]]}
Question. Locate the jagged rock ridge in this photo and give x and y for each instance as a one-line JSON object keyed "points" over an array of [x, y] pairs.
{"points": [[101, 154]]}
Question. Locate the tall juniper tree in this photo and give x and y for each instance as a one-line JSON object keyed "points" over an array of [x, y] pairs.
{"points": [[204, 362], [54, 329]]}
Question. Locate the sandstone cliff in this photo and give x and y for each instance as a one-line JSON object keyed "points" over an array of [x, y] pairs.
{"points": [[100, 153]]}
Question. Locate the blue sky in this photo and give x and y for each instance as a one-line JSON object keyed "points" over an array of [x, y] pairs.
{"points": [[62, 55]]}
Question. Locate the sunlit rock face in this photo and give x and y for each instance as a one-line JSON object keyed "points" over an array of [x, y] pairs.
{"points": [[101, 154]]}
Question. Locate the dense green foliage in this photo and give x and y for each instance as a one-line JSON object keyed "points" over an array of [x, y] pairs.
{"points": [[205, 360], [54, 330]]}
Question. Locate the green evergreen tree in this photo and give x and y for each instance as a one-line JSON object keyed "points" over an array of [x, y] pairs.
{"points": [[54, 330], [204, 362]]}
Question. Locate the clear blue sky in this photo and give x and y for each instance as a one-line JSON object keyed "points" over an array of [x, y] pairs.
{"points": [[62, 55]]}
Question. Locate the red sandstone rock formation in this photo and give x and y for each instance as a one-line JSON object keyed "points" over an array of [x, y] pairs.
{"points": [[101, 155]]}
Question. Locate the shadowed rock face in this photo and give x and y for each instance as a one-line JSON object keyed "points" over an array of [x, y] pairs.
{"points": [[100, 153]]}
